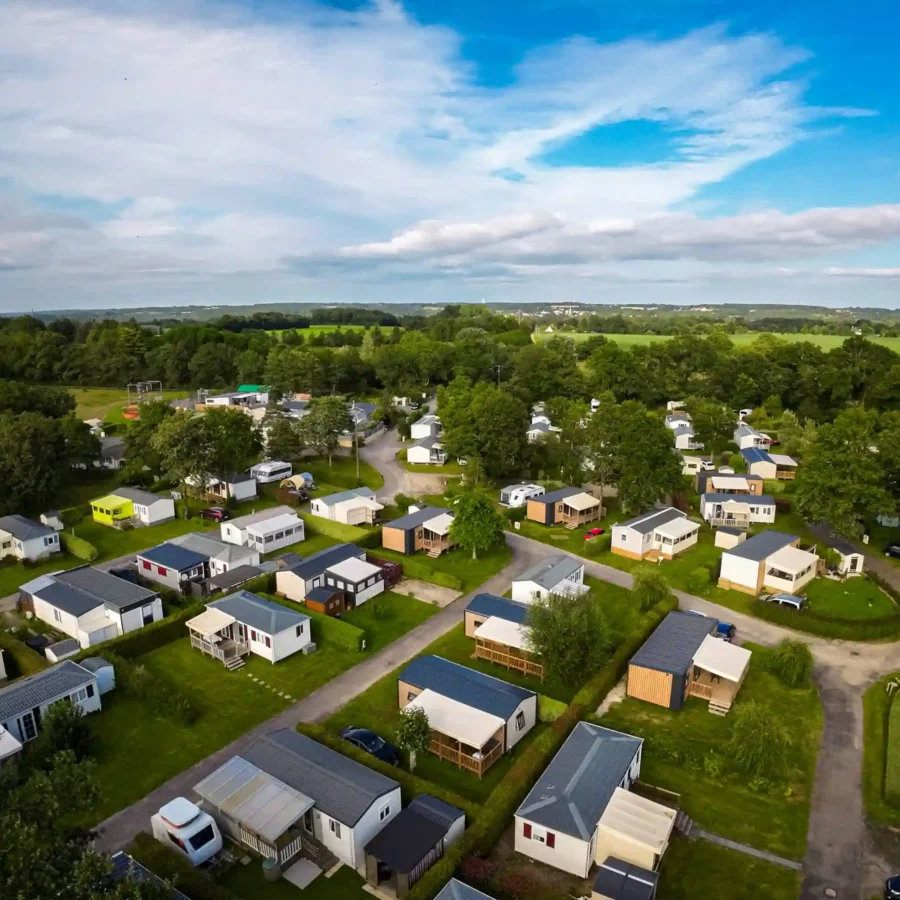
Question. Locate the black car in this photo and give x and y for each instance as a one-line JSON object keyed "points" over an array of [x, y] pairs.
{"points": [[371, 743], [892, 550], [892, 888]]}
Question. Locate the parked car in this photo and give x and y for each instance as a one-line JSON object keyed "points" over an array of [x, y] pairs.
{"points": [[371, 743], [593, 532], [215, 514], [892, 550], [707, 466], [892, 888], [789, 600], [774, 442]]}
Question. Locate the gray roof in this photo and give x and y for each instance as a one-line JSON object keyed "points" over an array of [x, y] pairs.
{"points": [[744, 431], [683, 429], [68, 645], [432, 440], [361, 411], [621, 880], [549, 572], [455, 889], [499, 607], [112, 448], [136, 495], [319, 562], [646, 522], [467, 686], [340, 787], [211, 547], [574, 790], [414, 520], [24, 529], [762, 545], [673, 645], [233, 577], [80, 590], [261, 516], [437, 810], [539, 426], [331, 499], [43, 687], [556, 495], [173, 556], [95, 663], [257, 612], [757, 500]]}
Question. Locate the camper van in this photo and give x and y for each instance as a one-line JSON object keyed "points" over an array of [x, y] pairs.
{"points": [[183, 827], [272, 470], [519, 494]]}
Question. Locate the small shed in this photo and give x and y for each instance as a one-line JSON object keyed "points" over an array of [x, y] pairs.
{"points": [[103, 669], [851, 559], [326, 600], [727, 538], [620, 880], [451, 819], [62, 650], [634, 829], [403, 851]]}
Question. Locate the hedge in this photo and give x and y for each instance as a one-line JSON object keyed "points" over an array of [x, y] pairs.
{"points": [[411, 785], [505, 799], [370, 541], [178, 871], [892, 760], [78, 547], [549, 710], [144, 640], [828, 626], [20, 659], [337, 530], [413, 568]]}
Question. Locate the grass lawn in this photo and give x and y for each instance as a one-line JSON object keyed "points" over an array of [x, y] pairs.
{"points": [[724, 803], [877, 708], [108, 403], [341, 472], [336, 530], [247, 883], [699, 870], [855, 598], [387, 617], [458, 562], [560, 537]]}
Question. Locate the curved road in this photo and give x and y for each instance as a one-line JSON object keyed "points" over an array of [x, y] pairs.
{"points": [[381, 452]]}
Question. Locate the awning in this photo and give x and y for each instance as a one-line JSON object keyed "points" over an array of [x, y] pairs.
{"points": [[730, 482], [792, 559], [502, 631], [210, 621], [456, 720], [439, 524], [781, 460], [366, 502], [257, 800], [9, 746], [721, 658], [581, 502], [677, 528], [639, 820]]}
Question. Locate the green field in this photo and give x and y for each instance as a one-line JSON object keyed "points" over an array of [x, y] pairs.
{"points": [[328, 329], [825, 341], [108, 403]]}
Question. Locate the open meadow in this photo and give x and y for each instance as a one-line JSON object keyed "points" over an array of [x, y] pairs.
{"points": [[825, 341]]}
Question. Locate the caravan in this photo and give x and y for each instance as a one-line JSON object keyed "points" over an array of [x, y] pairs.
{"points": [[185, 828], [271, 470], [519, 494]]}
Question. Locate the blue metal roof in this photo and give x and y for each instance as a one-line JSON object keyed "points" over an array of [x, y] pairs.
{"points": [[753, 455], [173, 557], [499, 607], [475, 689]]}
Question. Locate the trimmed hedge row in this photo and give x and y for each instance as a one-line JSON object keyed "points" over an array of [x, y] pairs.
{"points": [[337, 530], [549, 710], [892, 760], [177, 871], [411, 785], [505, 799], [328, 629], [143, 640], [78, 547], [19, 658], [829, 627], [414, 568]]}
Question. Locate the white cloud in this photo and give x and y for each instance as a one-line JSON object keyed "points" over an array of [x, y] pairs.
{"points": [[217, 141]]}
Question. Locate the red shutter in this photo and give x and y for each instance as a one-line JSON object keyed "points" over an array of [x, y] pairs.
{"points": [[551, 839], [161, 570], [268, 641], [252, 635], [145, 564], [526, 830]]}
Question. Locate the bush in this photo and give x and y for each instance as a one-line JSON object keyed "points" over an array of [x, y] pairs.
{"points": [[516, 513], [20, 659], [78, 547], [401, 501], [72, 516], [650, 588], [402, 455], [150, 637], [158, 694], [759, 744], [698, 580], [334, 632], [598, 545], [792, 662], [176, 870], [423, 572]]}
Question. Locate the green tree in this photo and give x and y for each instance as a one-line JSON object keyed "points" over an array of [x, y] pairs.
{"points": [[476, 524], [184, 451], [759, 742], [569, 635], [232, 439], [650, 588], [63, 728], [34, 459], [792, 662], [413, 732], [321, 428], [284, 437], [842, 479], [713, 422], [82, 447], [139, 448]]}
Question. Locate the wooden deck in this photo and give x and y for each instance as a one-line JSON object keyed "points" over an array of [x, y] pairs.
{"points": [[446, 748], [510, 657]]}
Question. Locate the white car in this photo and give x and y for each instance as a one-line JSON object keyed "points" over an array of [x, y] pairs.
{"points": [[789, 600]]}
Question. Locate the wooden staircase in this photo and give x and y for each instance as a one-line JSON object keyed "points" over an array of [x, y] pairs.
{"points": [[434, 554], [235, 663], [683, 823], [719, 709], [318, 854]]}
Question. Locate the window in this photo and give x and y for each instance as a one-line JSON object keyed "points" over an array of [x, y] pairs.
{"points": [[90, 690], [252, 635], [300, 630], [56, 615], [551, 839], [177, 841], [162, 571], [268, 641], [410, 696], [520, 720], [384, 813], [335, 828], [147, 614], [317, 582], [269, 538], [202, 837], [526, 830]]}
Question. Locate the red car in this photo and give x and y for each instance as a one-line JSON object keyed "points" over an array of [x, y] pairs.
{"points": [[215, 513], [593, 532]]}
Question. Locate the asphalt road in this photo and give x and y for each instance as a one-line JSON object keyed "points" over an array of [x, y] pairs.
{"points": [[381, 452]]}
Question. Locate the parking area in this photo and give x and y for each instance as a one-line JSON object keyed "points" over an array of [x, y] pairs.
{"points": [[427, 593]]}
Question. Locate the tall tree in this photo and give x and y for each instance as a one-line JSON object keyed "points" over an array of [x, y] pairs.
{"points": [[139, 448], [842, 479], [183, 449], [477, 526], [328, 418], [713, 422], [283, 436], [233, 440]]}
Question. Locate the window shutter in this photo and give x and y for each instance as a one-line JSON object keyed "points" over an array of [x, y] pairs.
{"points": [[526, 830], [551, 839], [161, 570], [268, 641]]}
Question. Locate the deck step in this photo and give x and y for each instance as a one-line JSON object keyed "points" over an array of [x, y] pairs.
{"points": [[718, 709], [234, 664], [683, 823]]}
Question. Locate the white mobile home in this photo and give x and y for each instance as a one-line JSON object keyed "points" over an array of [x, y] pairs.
{"points": [[737, 510], [149, 508], [659, 533], [296, 582], [237, 486], [685, 438], [323, 799], [272, 470], [559, 575], [265, 531], [770, 560], [747, 437], [428, 451], [358, 506], [519, 494], [26, 540], [427, 426]]}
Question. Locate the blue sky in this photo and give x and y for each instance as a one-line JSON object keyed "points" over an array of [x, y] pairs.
{"points": [[655, 152]]}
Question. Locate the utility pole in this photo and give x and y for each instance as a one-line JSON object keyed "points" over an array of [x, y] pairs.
{"points": [[498, 367], [356, 437]]}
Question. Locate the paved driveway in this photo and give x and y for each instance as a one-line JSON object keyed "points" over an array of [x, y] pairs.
{"points": [[381, 452]]}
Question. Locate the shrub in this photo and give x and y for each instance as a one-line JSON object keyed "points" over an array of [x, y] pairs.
{"points": [[792, 663], [20, 659], [698, 580], [759, 743], [334, 632], [402, 455], [423, 572], [598, 545], [72, 516], [516, 513], [158, 694], [63, 727], [401, 501], [78, 547], [650, 588]]}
